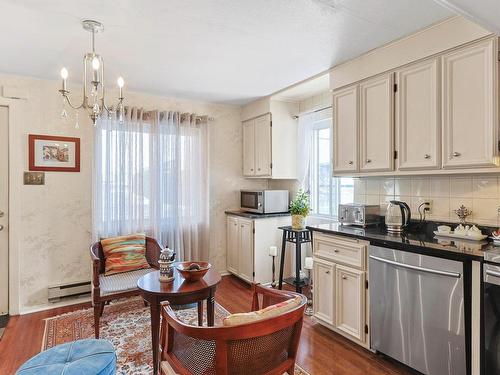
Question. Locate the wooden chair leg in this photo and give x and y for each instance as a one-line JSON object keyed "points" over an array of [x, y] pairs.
{"points": [[101, 310], [98, 307], [145, 303]]}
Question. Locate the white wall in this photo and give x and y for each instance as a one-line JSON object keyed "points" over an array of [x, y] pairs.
{"points": [[55, 219]]}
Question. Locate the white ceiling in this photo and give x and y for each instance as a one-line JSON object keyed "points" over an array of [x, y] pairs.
{"points": [[217, 50], [483, 12]]}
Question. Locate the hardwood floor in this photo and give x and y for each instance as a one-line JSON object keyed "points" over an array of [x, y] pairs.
{"points": [[321, 351]]}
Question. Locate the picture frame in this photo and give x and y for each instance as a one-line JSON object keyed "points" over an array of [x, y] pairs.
{"points": [[53, 153]]}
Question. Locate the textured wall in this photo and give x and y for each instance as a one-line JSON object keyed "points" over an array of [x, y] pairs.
{"points": [[55, 218]]}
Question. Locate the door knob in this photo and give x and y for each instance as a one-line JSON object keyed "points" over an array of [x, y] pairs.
{"points": [[456, 154], [427, 156]]}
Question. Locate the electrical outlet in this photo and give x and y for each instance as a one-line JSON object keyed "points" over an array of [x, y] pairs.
{"points": [[426, 205]]}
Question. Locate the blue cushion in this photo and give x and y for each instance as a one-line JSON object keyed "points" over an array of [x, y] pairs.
{"points": [[82, 357]]}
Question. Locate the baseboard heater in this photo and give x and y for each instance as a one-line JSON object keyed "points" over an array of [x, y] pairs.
{"points": [[64, 291]]}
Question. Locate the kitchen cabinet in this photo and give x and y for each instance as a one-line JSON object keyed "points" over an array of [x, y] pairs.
{"points": [[350, 301], [345, 130], [470, 105], [376, 124], [247, 247], [418, 122], [340, 291], [323, 302], [270, 139]]}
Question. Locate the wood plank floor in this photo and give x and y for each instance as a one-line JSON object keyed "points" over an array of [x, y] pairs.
{"points": [[321, 351]]}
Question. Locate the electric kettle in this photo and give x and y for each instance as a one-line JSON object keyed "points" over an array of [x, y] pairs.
{"points": [[397, 216]]}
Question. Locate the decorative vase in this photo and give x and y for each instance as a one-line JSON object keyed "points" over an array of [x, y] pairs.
{"points": [[298, 222], [166, 263]]}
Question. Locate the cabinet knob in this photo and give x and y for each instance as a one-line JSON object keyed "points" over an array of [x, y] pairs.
{"points": [[456, 154], [335, 251], [344, 277], [368, 160], [327, 272], [351, 162], [251, 169], [427, 156], [258, 169]]}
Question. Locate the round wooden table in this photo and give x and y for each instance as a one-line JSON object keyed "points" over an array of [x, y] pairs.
{"points": [[177, 292]]}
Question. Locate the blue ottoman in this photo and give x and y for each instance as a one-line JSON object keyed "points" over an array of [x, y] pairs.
{"points": [[82, 357]]}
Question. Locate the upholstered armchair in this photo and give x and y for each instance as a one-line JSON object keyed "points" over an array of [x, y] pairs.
{"points": [[108, 288], [267, 346]]}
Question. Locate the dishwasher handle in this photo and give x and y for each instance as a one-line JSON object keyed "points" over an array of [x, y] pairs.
{"points": [[416, 268]]}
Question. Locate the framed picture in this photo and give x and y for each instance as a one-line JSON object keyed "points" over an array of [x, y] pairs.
{"points": [[52, 153]]}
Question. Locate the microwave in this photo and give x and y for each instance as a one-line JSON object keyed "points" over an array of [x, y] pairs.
{"points": [[264, 201]]}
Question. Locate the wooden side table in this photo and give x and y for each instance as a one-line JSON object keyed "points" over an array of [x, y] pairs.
{"points": [[177, 292], [298, 237]]}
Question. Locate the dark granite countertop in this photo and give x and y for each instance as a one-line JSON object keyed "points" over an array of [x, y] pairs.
{"points": [[252, 215], [418, 239]]}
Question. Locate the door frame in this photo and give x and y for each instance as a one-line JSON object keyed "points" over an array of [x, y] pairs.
{"points": [[17, 149]]}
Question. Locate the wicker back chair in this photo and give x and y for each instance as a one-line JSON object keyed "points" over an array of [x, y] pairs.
{"points": [[108, 288], [263, 347]]}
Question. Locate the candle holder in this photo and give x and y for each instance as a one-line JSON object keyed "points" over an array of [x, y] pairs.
{"points": [[309, 266], [273, 252]]}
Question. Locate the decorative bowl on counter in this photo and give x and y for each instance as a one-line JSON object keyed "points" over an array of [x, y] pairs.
{"points": [[193, 271]]}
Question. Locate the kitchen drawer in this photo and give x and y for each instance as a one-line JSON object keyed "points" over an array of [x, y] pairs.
{"points": [[342, 250]]}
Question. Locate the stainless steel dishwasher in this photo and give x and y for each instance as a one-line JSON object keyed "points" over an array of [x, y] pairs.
{"points": [[417, 310]]}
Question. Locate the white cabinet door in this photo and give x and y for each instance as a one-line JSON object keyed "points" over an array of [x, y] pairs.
{"points": [[323, 290], [245, 256], [418, 117], [376, 124], [345, 130], [263, 145], [350, 301], [232, 244], [470, 101], [249, 148]]}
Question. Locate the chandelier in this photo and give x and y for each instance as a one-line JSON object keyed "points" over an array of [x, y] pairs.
{"points": [[93, 82]]}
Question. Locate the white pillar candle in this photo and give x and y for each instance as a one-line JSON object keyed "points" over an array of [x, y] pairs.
{"points": [[273, 251], [308, 263]]}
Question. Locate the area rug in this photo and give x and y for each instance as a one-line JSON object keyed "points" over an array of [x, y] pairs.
{"points": [[127, 325]]}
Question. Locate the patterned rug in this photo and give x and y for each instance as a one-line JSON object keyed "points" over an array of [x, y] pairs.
{"points": [[127, 325]]}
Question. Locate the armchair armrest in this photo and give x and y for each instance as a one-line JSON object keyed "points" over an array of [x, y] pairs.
{"points": [[269, 296], [153, 250], [96, 264]]}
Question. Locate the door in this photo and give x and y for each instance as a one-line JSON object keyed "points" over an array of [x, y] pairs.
{"points": [[4, 206], [245, 256], [323, 295], [470, 106], [345, 130], [263, 145], [350, 301], [376, 124], [232, 231], [418, 117], [249, 148]]}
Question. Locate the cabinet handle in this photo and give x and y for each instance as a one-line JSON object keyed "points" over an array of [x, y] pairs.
{"points": [[368, 160], [344, 277], [335, 251], [427, 156], [456, 154], [351, 162], [327, 272]]}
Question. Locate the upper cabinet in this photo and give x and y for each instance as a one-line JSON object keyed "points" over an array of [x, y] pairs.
{"points": [[345, 130], [470, 106], [418, 120], [376, 121], [270, 139]]}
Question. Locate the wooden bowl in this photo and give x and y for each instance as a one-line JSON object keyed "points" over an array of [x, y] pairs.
{"points": [[193, 275]]}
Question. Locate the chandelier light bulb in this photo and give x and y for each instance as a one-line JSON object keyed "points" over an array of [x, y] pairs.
{"points": [[120, 82], [64, 73], [95, 63]]}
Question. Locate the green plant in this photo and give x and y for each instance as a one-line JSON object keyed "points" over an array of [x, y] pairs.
{"points": [[300, 204]]}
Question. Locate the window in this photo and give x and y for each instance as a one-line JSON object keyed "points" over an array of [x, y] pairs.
{"points": [[327, 192]]}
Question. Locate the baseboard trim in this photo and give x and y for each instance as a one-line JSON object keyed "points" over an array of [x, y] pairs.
{"points": [[50, 306]]}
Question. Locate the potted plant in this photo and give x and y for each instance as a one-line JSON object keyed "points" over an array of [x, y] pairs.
{"points": [[299, 208]]}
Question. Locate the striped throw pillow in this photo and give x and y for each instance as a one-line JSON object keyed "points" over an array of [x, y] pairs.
{"points": [[124, 253]]}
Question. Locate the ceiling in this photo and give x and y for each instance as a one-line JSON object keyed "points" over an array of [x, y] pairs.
{"points": [[229, 51], [483, 12]]}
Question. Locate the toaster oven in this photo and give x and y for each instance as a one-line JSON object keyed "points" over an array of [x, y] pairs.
{"points": [[359, 214]]}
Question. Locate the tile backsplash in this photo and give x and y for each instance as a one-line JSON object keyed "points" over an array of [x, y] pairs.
{"points": [[481, 194]]}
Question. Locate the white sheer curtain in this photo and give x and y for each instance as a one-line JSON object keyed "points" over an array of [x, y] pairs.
{"points": [[150, 175], [305, 128]]}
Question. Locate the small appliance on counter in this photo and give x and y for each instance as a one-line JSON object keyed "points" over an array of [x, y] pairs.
{"points": [[359, 214], [264, 201], [397, 216]]}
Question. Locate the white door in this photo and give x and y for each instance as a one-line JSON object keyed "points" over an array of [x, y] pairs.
{"points": [[350, 301], [323, 290], [377, 124], [418, 121], [345, 130], [470, 106], [263, 145], [249, 148], [245, 256], [232, 244], [4, 205]]}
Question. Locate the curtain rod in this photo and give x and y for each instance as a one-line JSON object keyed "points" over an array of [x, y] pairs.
{"points": [[316, 110]]}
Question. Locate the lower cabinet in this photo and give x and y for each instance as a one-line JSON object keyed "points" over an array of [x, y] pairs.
{"points": [[340, 290]]}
